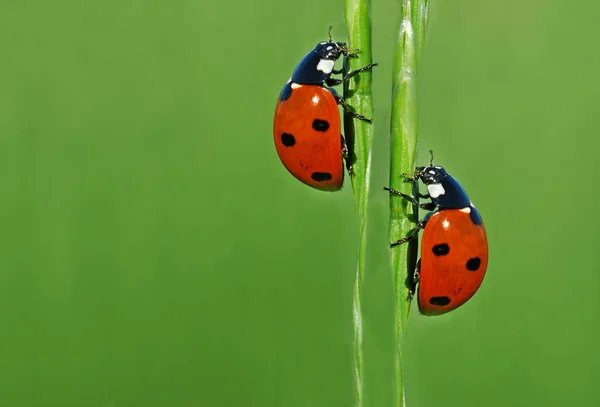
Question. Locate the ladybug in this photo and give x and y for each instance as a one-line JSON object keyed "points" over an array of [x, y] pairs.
{"points": [[454, 248], [307, 126]]}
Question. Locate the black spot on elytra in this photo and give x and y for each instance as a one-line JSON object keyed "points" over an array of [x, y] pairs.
{"points": [[440, 301], [473, 264], [287, 139], [320, 125], [441, 249], [321, 176]]}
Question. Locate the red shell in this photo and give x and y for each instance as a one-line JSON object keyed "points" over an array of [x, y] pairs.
{"points": [[449, 276], [314, 156]]}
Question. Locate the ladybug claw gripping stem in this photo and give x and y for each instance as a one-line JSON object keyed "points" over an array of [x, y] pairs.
{"points": [[403, 240]]}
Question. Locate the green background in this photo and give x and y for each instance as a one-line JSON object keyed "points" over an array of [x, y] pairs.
{"points": [[155, 252]]}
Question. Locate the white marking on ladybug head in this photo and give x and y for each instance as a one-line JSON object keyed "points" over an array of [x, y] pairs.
{"points": [[325, 66], [432, 172], [295, 85], [466, 209], [329, 48], [289, 80], [435, 190]]}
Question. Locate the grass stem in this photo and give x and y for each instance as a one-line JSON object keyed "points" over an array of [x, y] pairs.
{"points": [[359, 136], [404, 133]]}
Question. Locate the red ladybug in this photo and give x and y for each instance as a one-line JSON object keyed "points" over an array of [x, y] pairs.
{"points": [[307, 127], [454, 248]]}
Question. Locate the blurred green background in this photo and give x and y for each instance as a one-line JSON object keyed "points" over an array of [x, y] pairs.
{"points": [[155, 252]]}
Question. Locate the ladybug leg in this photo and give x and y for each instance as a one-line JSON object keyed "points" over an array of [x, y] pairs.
{"points": [[413, 234], [428, 206], [346, 156], [335, 81], [414, 280], [359, 70], [337, 71], [348, 110], [352, 53]]}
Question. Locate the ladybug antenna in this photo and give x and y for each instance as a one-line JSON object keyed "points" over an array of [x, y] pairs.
{"points": [[329, 33], [431, 162]]}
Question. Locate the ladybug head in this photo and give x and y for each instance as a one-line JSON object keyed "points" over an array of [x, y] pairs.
{"points": [[318, 65], [332, 50], [435, 177], [431, 174]]}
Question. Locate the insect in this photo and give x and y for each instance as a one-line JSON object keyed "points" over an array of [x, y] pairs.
{"points": [[454, 248], [307, 126]]}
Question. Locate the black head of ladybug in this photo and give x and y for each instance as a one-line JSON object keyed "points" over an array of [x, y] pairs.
{"points": [[444, 191], [332, 50], [431, 174], [318, 65]]}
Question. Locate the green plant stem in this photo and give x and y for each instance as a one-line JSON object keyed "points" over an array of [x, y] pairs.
{"points": [[359, 136], [404, 132]]}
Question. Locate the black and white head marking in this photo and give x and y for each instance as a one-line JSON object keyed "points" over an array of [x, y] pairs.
{"points": [[326, 66], [329, 52], [435, 190], [318, 65], [432, 176], [443, 189]]}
